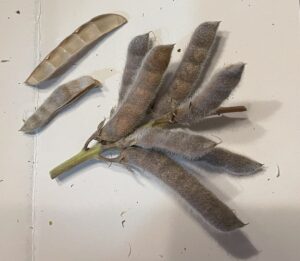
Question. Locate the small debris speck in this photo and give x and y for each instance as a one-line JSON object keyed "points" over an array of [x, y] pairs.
{"points": [[268, 179], [18, 12], [123, 213], [4, 61], [31, 227], [129, 253], [50, 223], [184, 249], [72, 185], [278, 172], [8, 17], [161, 256], [273, 24], [123, 222], [143, 14], [18, 221], [179, 50], [1, 180]]}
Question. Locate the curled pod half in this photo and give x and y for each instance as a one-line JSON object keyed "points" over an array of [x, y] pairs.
{"points": [[204, 102], [186, 144], [132, 111], [136, 52], [73, 45], [186, 185], [230, 162], [189, 68], [63, 96]]}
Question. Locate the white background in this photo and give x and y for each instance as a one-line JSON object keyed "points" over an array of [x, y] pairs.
{"points": [[85, 207]]}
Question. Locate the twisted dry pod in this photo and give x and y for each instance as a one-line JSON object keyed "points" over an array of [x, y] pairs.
{"points": [[186, 185], [205, 102], [133, 109], [136, 52], [189, 145], [73, 45], [231, 162], [63, 96], [189, 68]]}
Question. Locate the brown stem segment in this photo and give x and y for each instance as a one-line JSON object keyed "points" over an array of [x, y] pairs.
{"points": [[222, 110]]}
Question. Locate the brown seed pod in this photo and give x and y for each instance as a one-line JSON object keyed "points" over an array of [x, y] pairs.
{"points": [[63, 96], [231, 162], [186, 185], [189, 68], [73, 45], [136, 52], [203, 103], [186, 144], [133, 109]]}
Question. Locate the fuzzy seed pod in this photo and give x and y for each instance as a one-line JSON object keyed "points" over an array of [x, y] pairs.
{"points": [[231, 163], [203, 103], [189, 69], [133, 109], [136, 52], [186, 185], [189, 145], [63, 96]]}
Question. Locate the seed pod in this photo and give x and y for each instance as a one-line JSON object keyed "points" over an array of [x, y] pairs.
{"points": [[73, 45], [189, 69], [58, 100], [231, 163], [203, 103], [189, 145], [133, 109], [136, 52], [186, 185]]}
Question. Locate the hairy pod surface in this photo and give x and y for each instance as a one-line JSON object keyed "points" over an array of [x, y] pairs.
{"points": [[186, 144], [58, 100], [77, 42], [186, 185], [205, 102], [189, 68], [231, 162], [133, 109], [136, 52]]}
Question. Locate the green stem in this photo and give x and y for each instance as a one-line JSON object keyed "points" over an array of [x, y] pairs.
{"points": [[79, 158]]}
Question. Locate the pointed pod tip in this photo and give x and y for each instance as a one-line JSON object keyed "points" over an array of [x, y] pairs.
{"points": [[31, 81]]}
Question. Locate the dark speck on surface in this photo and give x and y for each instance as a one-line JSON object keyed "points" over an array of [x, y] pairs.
{"points": [[18, 12], [179, 50], [268, 179], [123, 222], [72, 185], [4, 61], [50, 223], [278, 172], [1, 180]]}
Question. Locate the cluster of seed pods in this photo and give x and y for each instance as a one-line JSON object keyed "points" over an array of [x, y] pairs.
{"points": [[146, 128]]}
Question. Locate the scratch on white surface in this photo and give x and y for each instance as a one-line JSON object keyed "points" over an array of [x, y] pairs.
{"points": [[37, 44]]}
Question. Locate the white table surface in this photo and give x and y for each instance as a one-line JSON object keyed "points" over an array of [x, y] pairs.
{"points": [[85, 207]]}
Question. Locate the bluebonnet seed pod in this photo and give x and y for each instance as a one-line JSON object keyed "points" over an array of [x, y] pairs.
{"points": [[132, 111], [185, 184], [189, 68], [76, 43], [186, 144], [58, 100], [205, 102], [136, 52], [231, 162]]}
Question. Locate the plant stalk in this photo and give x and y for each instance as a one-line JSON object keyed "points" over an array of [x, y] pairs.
{"points": [[77, 159]]}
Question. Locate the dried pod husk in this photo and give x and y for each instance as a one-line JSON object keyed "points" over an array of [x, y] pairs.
{"points": [[204, 102], [137, 49], [132, 111], [69, 49], [230, 162], [186, 185], [63, 96], [189, 68], [183, 143]]}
